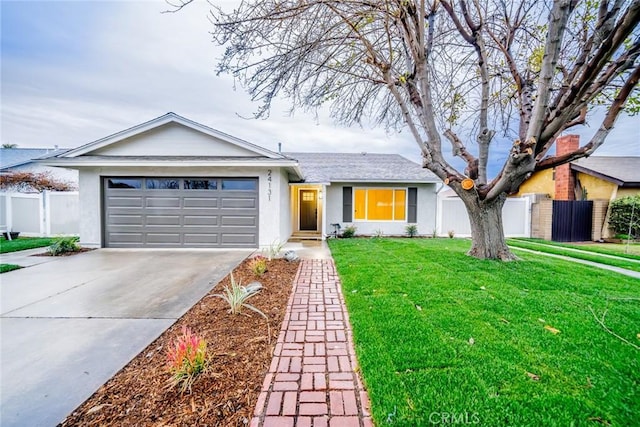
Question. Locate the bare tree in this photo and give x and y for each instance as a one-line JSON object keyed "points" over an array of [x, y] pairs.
{"points": [[459, 70]]}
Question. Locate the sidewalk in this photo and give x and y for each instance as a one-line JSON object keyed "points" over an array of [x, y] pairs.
{"points": [[620, 270], [25, 258], [312, 380]]}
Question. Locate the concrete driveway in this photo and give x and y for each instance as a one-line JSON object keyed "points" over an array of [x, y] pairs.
{"points": [[69, 325]]}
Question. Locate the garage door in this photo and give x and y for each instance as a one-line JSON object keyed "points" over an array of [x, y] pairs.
{"points": [[180, 212]]}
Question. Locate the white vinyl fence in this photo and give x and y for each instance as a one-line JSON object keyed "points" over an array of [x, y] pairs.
{"points": [[452, 216], [43, 214]]}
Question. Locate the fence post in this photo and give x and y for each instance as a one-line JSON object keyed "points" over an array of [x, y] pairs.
{"points": [[46, 208], [9, 211]]}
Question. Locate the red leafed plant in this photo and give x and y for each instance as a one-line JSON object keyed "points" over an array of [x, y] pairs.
{"points": [[258, 265], [187, 358]]}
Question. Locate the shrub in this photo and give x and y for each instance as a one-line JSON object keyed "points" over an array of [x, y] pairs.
{"points": [[63, 245], [411, 230], [625, 214], [258, 265], [273, 250], [237, 295], [29, 181], [349, 232], [187, 358]]}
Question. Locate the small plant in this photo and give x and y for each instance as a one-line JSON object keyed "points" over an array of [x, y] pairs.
{"points": [[411, 230], [349, 232], [378, 234], [258, 265], [434, 233], [273, 250], [237, 295], [186, 359], [63, 245], [451, 233]]}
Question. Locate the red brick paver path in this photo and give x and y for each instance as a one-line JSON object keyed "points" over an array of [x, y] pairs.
{"points": [[312, 380]]}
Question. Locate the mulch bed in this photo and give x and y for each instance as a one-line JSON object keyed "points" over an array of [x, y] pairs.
{"points": [[225, 395]]}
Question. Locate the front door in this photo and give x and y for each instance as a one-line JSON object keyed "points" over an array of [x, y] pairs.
{"points": [[308, 210]]}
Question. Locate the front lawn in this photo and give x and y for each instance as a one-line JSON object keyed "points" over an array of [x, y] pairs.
{"points": [[442, 336], [23, 243]]}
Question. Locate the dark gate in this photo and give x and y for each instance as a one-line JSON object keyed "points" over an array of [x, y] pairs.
{"points": [[572, 220]]}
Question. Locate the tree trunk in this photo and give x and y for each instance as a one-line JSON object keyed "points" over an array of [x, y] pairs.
{"points": [[487, 234]]}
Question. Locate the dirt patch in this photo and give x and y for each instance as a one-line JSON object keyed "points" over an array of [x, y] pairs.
{"points": [[226, 394], [79, 251]]}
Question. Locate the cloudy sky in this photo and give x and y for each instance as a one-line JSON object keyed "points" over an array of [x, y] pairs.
{"points": [[76, 71]]}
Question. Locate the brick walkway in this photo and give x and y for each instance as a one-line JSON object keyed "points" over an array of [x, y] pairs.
{"points": [[312, 380]]}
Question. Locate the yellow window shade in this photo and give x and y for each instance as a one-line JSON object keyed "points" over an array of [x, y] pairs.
{"points": [[399, 204], [379, 205], [359, 204]]}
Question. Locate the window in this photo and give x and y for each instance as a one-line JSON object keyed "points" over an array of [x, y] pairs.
{"points": [[200, 184], [163, 184], [239, 184], [124, 183], [379, 204]]}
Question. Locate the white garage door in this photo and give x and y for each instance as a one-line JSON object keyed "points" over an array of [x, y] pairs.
{"points": [[180, 212]]}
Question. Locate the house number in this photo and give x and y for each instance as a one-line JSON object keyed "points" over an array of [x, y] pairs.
{"points": [[269, 186]]}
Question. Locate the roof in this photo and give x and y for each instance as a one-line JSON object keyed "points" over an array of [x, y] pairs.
{"points": [[623, 171], [161, 121], [13, 157], [360, 167]]}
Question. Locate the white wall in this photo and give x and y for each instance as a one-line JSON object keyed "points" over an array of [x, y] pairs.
{"points": [[285, 207], [173, 140], [40, 214], [273, 212], [426, 214], [516, 217]]}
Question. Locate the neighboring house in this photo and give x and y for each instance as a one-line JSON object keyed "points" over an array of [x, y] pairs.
{"points": [[25, 160], [600, 179], [589, 178], [172, 182]]}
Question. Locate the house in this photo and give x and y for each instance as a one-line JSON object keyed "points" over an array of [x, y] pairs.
{"points": [[598, 179], [25, 160], [589, 178], [172, 182]]}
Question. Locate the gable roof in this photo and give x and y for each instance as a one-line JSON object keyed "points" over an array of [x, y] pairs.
{"points": [[360, 167], [14, 157], [162, 121], [623, 171]]}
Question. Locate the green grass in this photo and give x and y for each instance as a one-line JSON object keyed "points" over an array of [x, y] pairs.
{"points": [[23, 243], [628, 261], [414, 304], [615, 249], [8, 267]]}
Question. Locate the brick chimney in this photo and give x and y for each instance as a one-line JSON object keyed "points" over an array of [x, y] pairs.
{"points": [[565, 181]]}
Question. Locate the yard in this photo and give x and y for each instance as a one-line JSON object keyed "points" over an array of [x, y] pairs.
{"points": [[442, 337], [23, 243]]}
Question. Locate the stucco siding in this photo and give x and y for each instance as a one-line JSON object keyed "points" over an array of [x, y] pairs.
{"points": [[539, 183], [285, 206], [90, 208], [173, 140], [624, 192], [270, 209], [426, 212], [596, 188]]}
